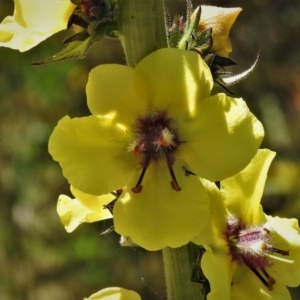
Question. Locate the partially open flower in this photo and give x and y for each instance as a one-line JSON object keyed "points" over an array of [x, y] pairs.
{"points": [[83, 208], [34, 21], [153, 128], [220, 19], [249, 255], [114, 293]]}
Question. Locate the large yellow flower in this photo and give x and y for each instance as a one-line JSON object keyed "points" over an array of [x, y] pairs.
{"points": [[220, 19], [152, 129], [114, 293], [34, 21], [249, 255]]}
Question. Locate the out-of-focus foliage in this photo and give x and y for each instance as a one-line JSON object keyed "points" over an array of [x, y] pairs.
{"points": [[38, 259]]}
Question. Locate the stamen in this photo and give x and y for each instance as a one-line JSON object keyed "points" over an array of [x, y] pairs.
{"points": [[166, 139], [137, 189], [282, 252], [287, 261], [174, 184], [263, 280], [271, 281]]}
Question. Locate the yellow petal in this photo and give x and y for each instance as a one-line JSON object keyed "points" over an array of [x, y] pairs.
{"points": [[212, 234], [159, 216], [115, 90], [34, 21], [93, 154], [222, 138], [218, 269], [72, 213], [286, 236], [220, 19], [114, 293], [243, 191], [247, 286], [94, 203], [177, 80]]}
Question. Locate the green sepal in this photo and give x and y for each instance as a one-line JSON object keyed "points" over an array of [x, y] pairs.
{"points": [[77, 49], [202, 41], [192, 22]]}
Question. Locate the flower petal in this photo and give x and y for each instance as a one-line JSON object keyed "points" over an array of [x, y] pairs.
{"points": [[114, 89], [177, 80], [221, 140], [247, 286], [72, 213], [159, 216], [212, 234], [220, 19], [218, 269], [114, 293], [94, 203], [34, 21], [93, 154], [244, 191], [286, 236]]}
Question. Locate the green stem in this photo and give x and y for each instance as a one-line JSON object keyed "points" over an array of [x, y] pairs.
{"points": [[178, 263], [142, 28]]}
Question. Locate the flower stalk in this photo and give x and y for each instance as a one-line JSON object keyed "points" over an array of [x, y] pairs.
{"points": [[178, 264], [142, 28]]}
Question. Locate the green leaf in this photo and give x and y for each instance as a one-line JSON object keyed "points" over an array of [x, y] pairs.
{"points": [[77, 49], [73, 50]]}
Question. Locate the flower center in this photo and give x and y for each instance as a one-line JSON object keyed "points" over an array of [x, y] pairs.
{"points": [[156, 139], [252, 245]]}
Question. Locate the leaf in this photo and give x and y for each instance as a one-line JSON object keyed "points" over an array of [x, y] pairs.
{"points": [[77, 49], [73, 50]]}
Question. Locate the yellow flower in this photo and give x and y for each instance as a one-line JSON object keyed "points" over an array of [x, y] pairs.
{"points": [[249, 255], [34, 21], [114, 293], [152, 129], [83, 208], [220, 19]]}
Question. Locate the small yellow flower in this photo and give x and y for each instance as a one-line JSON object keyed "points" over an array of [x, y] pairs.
{"points": [[83, 208], [34, 21], [153, 128], [220, 19], [114, 293], [249, 255]]}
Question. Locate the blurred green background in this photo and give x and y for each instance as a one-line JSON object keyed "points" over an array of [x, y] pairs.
{"points": [[38, 259]]}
